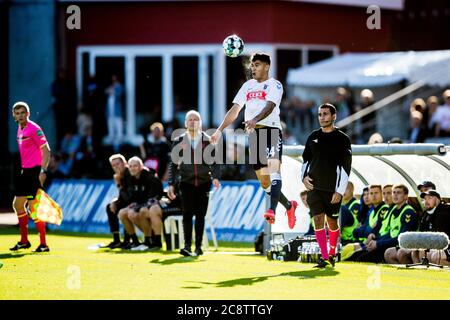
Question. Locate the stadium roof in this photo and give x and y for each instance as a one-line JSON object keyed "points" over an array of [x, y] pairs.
{"points": [[375, 69]]}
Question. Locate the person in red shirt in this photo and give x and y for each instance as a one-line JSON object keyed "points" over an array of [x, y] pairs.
{"points": [[34, 155]]}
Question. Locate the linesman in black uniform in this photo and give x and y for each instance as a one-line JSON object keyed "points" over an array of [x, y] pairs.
{"points": [[327, 160]]}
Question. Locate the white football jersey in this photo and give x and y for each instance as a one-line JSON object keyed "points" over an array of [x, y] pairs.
{"points": [[254, 95]]}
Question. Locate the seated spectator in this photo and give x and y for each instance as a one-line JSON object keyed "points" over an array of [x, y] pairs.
{"points": [[375, 138], [348, 215], [441, 118], [368, 121], [395, 140], [387, 195], [342, 106], [425, 186], [367, 231], [69, 146], [417, 127], [85, 164], [157, 213], [432, 105], [365, 206], [402, 218], [437, 219], [376, 215], [145, 190], [418, 105], [84, 121], [122, 179], [156, 151]]}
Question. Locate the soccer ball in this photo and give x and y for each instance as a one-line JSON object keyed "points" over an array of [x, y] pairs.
{"points": [[233, 46]]}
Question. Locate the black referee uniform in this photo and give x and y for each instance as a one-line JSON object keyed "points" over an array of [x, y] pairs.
{"points": [[327, 161]]}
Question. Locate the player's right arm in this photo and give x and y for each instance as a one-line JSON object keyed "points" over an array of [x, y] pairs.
{"points": [[238, 102], [231, 115]]}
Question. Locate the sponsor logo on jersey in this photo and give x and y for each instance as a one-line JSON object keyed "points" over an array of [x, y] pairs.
{"points": [[279, 86], [256, 95], [39, 133]]}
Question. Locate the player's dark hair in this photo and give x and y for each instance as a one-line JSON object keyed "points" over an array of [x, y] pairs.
{"points": [[376, 186], [328, 106], [263, 57], [401, 186]]}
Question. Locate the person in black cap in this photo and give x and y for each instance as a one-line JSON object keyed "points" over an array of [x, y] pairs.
{"points": [[425, 186], [437, 214], [436, 218]]}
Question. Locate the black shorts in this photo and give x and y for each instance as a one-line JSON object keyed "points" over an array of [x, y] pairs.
{"points": [[171, 209], [265, 143], [150, 202], [320, 202], [27, 183]]}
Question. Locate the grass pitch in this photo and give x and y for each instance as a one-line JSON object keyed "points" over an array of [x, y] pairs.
{"points": [[71, 271]]}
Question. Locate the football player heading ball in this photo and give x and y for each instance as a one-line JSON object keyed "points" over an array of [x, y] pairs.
{"points": [[262, 96]]}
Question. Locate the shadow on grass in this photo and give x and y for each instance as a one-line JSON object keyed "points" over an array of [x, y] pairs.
{"points": [[306, 274], [175, 260], [125, 251], [5, 256]]}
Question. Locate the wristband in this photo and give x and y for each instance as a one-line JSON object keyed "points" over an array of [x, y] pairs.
{"points": [[43, 171]]}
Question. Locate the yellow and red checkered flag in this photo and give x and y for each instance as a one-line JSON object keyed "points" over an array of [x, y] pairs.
{"points": [[44, 208]]}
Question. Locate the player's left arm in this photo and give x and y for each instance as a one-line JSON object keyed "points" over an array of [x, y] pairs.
{"points": [[265, 112], [45, 161]]}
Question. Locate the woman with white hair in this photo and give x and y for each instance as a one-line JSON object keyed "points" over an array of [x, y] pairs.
{"points": [[192, 171]]}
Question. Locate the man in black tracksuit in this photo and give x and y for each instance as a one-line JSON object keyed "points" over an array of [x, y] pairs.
{"points": [[122, 180], [194, 172], [143, 191], [327, 160]]}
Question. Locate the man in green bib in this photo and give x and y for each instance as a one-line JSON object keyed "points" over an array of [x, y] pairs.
{"points": [[348, 215], [401, 218]]}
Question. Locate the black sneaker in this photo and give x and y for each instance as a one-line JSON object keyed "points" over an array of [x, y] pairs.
{"points": [[19, 245], [198, 251], [112, 245], [42, 248], [154, 247], [125, 245], [186, 252], [332, 260], [322, 264]]}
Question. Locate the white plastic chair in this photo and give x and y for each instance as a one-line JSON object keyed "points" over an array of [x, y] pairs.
{"points": [[174, 225]]}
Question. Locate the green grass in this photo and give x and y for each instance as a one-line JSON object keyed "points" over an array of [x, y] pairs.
{"points": [[71, 271]]}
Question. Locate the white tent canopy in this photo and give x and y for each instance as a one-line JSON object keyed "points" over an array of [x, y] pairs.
{"points": [[375, 69]]}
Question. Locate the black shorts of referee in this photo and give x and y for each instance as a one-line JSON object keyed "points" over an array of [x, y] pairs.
{"points": [[320, 202], [27, 182]]}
